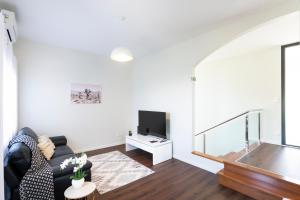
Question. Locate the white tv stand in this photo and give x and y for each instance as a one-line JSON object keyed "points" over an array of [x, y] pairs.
{"points": [[161, 151]]}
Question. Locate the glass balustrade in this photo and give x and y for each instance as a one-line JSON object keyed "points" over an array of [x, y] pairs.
{"points": [[231, 139]]}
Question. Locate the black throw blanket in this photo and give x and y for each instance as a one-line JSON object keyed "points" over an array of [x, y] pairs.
{"points": [[37, 183]]}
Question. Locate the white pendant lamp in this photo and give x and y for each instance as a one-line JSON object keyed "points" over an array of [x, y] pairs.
{"points": [[121, 54]]}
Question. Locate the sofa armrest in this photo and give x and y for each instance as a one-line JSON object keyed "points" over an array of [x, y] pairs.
{"points": [[59, 140], [57, 172]]}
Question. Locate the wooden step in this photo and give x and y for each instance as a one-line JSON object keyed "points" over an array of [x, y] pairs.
{"points": [[232, 156], [258, 183], [214, 158], [244, 188]]}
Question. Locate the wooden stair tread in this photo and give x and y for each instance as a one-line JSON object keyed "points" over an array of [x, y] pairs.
{"points": [[258, 186], [256, 179], [214, 158], [232, 156], [244, 188], [264, 175]]}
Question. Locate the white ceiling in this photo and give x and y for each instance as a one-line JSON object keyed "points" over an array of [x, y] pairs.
{"points": [[277, 32], [150, 25]]}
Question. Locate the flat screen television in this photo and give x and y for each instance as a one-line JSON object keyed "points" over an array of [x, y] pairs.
{"points": [[152, 123]]}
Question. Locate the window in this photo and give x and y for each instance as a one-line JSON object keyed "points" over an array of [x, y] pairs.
{"points": [[291, 94]]}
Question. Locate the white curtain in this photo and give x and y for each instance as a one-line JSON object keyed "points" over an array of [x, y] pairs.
{"points": [[9, 95], [1, 117]]}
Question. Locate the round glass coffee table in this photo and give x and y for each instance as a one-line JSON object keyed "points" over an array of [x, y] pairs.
{"points": [[87, 191]]}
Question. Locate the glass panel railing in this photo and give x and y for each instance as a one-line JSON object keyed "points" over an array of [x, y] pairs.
{"points": [[231, 140], [253, 129], [226, 138], [199, 143]]}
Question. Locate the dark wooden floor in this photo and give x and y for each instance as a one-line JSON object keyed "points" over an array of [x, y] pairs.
{"points": [[172, 179], [279, 159]]}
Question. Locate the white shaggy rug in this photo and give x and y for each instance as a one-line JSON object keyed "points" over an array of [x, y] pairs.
{"points": [[114, 169]]}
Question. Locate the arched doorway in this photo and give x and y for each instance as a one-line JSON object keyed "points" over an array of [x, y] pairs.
{"points": [[242, 76]]}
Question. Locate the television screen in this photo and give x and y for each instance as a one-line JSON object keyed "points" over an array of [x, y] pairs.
{"points": [[152, 123]]}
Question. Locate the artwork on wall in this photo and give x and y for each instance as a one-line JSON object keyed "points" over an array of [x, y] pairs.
{"points": [[85, 93]]}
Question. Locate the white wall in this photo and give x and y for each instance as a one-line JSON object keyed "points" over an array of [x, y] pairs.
{"points": [[162, 81], [45, 75], [228, 87]]}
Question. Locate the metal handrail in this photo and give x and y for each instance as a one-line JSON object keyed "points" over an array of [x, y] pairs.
{"points": [[237, 116]]}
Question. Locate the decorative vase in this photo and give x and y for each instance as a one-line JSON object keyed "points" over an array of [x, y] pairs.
{"points": [[77, 183]]}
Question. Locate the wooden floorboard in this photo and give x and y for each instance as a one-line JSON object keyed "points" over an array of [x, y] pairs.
{"points": [[172, 179]]}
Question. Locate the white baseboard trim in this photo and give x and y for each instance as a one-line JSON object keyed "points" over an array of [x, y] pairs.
{"points": [[212, 167], [100, 147]]}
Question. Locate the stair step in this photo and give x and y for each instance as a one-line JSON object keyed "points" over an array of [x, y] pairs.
{"points": [[257, 183], [245, 187]]}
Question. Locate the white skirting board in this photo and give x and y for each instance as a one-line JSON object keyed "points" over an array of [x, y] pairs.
{"points": [[202, 163], [100, 147]]}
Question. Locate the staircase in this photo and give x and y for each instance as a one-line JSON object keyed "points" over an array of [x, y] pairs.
{"points": [[216, 144], [233, 156]]}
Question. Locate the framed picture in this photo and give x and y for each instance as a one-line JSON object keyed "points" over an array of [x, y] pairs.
{"points": [[86, 93]]}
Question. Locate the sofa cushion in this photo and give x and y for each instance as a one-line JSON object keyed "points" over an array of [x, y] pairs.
{"points": [[46, 147], [55, 164], [29, 132], [45, 139], [62, 150]]}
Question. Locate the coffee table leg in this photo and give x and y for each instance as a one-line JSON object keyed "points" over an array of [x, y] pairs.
{"points": [[91, 196]]}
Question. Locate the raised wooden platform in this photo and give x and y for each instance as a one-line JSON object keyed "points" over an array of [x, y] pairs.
{"points": [[258, 183], [279, 159], [257, 173]]}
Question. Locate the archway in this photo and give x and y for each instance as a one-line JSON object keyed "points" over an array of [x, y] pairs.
{"points": [[243, 75]]}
